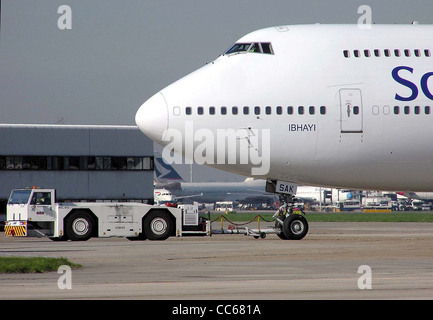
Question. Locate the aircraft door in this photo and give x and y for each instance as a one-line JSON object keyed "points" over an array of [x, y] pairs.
{"points": [[351, 111]]}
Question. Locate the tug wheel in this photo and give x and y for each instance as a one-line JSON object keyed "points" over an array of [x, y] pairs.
{"points": [[157, 225], [79, 226]]}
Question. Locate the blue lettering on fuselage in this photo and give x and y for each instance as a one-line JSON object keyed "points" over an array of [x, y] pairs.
{"points": [[412, 86]]}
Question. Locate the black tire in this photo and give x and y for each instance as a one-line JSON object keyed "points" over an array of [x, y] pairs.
{"points": [[157, 225], [295, 227], [280, 235], [58, 239], [79, 226], [141, 237]]}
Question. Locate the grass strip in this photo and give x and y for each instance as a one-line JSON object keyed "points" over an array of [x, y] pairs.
{"points": [[33, 264]]}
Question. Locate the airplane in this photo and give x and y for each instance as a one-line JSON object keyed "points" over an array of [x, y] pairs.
{"points": [[211, 192], [335, 106]]}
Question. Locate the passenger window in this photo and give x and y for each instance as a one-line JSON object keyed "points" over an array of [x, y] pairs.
{"points": [[416, 110], [311, 110], [256, 110], [427, 52], [406, 110], [188, 110], [290, 110], [396, 110], [427, 110], [377, 52], [234, 110], [407, 52], [387, 53], [176, 111], [355, 110], [322, 110], [223, 110], [346, 53], [211, 110], [246, 110], [417, 53], [356, 53], [268, 110], [279, 110], [200, 110], [367, 53], [300, 110], [397, 53]]}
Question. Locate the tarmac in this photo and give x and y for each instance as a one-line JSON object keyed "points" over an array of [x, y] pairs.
{"points": [[338, 260]]}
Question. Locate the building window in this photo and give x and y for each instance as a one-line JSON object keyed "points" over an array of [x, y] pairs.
{"points": [[72, 163]]}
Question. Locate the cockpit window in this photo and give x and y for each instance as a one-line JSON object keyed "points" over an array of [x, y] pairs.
{"points": [[239, 47], [266, 47], [256, 47]]}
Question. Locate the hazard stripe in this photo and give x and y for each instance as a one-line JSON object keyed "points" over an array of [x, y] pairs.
{"points": [[15, 231]]}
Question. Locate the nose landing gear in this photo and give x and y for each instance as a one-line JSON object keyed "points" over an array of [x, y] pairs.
{"points": [[291, 225]]}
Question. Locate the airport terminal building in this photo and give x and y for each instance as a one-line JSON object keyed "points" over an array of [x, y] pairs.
{"points": [[81, 162]]}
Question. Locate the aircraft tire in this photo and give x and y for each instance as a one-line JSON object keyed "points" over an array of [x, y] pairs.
{"points": [[295, 227], [280, 235]]}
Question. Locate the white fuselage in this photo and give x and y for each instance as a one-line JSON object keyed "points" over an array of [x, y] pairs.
{"points": [[332, 105]]}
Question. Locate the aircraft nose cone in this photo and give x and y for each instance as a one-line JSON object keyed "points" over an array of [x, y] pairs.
{"points": [[152, 117]]}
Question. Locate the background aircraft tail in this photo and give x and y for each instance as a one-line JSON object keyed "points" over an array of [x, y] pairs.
{"points": [[165, 172]]}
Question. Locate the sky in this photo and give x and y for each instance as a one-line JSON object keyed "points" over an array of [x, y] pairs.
{"points": [[118, 53]]}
